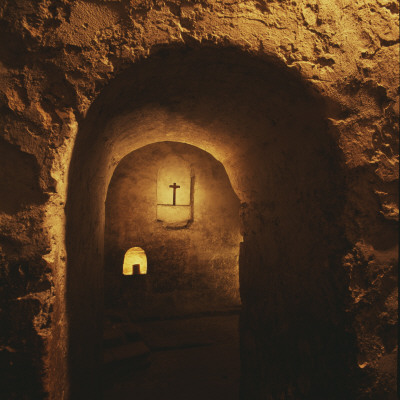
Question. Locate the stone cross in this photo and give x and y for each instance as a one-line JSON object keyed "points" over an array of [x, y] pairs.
{"points": [[174, 186]]}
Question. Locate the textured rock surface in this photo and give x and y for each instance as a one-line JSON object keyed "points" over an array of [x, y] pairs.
{"points": [[57, 56]]}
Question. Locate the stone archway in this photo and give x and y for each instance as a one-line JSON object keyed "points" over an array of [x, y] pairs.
{"points": [[192, 248], [268, 129], [172, 333]]}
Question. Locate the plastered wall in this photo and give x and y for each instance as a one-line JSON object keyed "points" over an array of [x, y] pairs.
{"points": [[191, 269]]}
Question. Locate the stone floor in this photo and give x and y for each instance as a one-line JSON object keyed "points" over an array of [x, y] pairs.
{"points": [[180, 359]]}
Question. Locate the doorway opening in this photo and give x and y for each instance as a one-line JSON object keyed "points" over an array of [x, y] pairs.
{"points": [[175, 330], [268, 128]]}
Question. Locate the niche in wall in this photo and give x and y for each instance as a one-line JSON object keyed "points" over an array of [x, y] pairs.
{"points": [[194, 266], [175, 182], [135, 262]]}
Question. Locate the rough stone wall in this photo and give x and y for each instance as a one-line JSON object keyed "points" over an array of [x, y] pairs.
{"points": [[190, 270], [56, 56]]}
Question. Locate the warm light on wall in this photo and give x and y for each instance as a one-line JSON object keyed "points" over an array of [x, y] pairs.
{"points": [[135, 262], [173, 184], [174, 197]]}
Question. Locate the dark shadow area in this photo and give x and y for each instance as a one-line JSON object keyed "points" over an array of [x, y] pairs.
{"points": [[19, 170], [22, 273], [193, 357], [22, 359], [284, 164]]}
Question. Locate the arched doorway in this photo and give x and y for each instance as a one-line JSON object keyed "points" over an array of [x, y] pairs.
{"points": [[268, 129], [191, 268], [185, 309]]}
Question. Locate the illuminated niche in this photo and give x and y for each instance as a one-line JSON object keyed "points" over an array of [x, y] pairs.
{"points": [[135, 262], [175, 193]]}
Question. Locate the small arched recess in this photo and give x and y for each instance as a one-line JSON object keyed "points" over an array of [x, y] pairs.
{"points": [[135, 262]]}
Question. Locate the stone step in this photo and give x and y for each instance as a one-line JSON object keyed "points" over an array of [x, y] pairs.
{"points": [[132, 333], [113, 337], [127, 352]]}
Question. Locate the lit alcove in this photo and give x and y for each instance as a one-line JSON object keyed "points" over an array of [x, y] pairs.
{"points": [[135, 262]]}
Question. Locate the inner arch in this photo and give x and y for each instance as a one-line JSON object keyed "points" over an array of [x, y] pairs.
{"points": [[175, 329], [192, 267]]}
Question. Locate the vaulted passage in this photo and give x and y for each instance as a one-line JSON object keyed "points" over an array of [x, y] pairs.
{"points": [[171, 315], [267, 129]]}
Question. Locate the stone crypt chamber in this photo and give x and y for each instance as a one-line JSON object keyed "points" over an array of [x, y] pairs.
{"points": [[199, 199]]}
